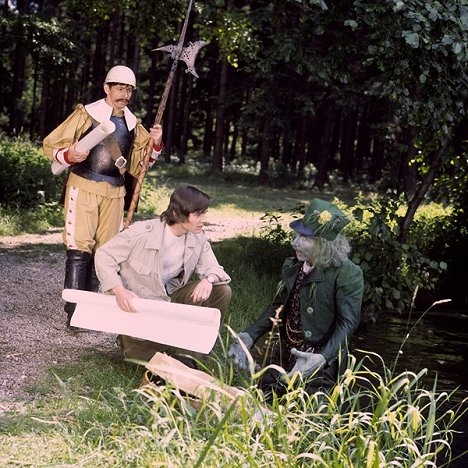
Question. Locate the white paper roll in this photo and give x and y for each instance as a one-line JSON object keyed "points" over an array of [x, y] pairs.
{"points": [[96, 136], [181, 325], [88, 142]]}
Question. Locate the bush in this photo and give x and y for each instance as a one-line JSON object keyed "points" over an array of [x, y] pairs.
{"points": [[393, 271], [25, 175]]}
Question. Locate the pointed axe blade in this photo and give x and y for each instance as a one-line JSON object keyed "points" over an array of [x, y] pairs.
{"points": [[189, 54]]}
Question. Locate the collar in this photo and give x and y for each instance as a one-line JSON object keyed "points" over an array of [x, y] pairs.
{"points": [[101, 112], [156, 238], [313, 276]]}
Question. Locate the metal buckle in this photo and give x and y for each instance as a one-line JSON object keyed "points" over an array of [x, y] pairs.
{"points": [[121, 162]]}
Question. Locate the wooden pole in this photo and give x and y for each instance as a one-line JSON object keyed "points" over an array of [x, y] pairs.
{"points": [[157, 120]]}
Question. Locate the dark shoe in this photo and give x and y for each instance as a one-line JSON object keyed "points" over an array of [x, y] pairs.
{"points": [[74, 330]]}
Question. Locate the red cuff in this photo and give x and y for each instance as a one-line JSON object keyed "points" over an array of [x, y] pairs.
{"points": [[65, 157], [158, 148]]}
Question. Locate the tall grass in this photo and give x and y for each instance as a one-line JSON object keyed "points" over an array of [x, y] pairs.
{"points": [[94, 413], [371, 418]]}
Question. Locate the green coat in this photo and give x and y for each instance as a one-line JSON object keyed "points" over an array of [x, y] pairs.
{"points": [[330, 305]]}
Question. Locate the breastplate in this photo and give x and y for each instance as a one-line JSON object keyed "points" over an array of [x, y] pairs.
{"points": [[100, 165]]}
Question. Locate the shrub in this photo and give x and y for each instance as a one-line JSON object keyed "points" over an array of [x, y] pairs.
{"points": [[25, 175], [393, 271]]}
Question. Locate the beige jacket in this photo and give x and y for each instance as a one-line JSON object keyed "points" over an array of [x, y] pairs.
{"points": [[132, 259]]}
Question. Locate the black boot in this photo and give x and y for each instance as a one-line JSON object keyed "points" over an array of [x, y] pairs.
{"points": [[76, 272], [92, 281]]}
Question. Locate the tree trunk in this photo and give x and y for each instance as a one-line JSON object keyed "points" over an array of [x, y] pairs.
{"points": [[363, 140], [324, 147], [186, 119], [407, 171], [300, 149], [99, 62], [347, 143], [265, 150], [151, 101], [235, 136], [209, 117], [378, 154], [19, 69], [32, 124], [421, 191], [244, 142], [220, 112], [227, 128], [336, 137]]}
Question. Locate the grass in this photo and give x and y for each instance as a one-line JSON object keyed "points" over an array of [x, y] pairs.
{"points": [[92, 414], [369, 419]]}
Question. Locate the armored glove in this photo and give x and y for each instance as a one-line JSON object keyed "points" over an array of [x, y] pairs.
{"points": [[236, 351], [307, 363]]}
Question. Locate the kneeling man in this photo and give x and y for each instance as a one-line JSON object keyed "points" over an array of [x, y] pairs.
{"points": [[156, 259]]}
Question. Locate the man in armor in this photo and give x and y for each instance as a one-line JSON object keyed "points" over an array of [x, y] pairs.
{"points": [[96, 183], [316, 308]]}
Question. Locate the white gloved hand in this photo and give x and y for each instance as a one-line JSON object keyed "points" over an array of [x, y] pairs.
{"points": [[306, 363], [236, 351]]}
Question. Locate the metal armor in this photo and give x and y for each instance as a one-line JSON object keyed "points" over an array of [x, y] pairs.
{"points": [[100, 166]]}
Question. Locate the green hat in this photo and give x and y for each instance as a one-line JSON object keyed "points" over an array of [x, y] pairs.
{"points": [[321, 219]]}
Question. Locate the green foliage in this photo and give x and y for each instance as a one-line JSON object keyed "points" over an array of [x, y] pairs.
{"points": [[433, 228], [254, 264], [421, 49], [393, 271], [15, 221], [232, 30], [90, 413], [264, 256], [25, 175]]}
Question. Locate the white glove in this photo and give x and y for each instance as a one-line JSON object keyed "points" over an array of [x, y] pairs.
{"points": [[236, 351], [306, 363]]}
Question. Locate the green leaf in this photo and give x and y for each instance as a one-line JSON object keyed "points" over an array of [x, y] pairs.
{"points": [[447, 40], [412, 39], [396, 293], [457, 48], [352, 24]]}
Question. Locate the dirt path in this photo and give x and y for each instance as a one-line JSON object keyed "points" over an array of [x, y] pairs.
{"points": [[32, 321]]}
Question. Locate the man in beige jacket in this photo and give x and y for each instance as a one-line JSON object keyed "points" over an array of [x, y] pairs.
{"points": [[156, 259]]}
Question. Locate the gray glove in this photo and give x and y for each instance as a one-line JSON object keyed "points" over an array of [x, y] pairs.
{"points": [[237, 353], [306, 363]]}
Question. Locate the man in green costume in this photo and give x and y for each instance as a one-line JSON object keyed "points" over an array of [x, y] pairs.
{"points": [[317, 305]]}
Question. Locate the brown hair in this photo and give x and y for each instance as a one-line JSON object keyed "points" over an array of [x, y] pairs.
{"points": [[184, 200]]}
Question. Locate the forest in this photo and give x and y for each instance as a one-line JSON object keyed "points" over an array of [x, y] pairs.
{"points": [[298, 91]]}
